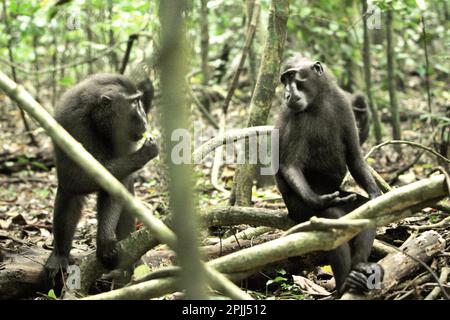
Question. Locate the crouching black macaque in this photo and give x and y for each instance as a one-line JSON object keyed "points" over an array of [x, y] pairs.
{"points": [[107, 114], [318, 141]]}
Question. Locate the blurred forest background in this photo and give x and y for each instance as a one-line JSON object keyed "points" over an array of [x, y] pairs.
{"points": [[400, 61]]}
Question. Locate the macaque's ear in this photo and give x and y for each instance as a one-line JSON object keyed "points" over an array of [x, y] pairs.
{"points": [[105, 100], [317, 67]]}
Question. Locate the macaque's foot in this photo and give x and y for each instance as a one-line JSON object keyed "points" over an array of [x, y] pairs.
{"points": [[54, 268], [365, 276], [107, 253]]}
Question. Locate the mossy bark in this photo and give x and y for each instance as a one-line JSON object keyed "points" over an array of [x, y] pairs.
{"points": [[264, 92]]}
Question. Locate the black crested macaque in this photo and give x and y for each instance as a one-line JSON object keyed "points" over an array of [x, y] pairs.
{"points": [[107, 114], [318, 141], [361, 112]]}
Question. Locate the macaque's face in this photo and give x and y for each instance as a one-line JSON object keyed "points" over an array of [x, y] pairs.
{"points": [[129, 115], [300, 85]]}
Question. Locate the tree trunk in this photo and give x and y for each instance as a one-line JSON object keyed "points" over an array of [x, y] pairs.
{"points": [[253, 58], [368, 76], [264, 92], [114, 60], [391, 76], [204, 30], [89, 36], [175, 117]]}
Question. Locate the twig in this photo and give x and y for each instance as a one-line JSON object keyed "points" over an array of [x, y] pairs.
{"points": [[414, 144], [439, 224], [442, 279]]}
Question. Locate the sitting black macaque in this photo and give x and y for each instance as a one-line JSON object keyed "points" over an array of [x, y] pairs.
{"points": [[318, 141], [107, 114], [361, 112]]}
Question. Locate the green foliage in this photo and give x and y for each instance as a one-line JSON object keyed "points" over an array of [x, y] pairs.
{"points": [[43, 36], [51, 294], [285, 283], [141, 271]]}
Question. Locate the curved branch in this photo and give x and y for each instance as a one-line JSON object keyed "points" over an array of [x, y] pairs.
{"points": [[414, 144], [234, 135]]}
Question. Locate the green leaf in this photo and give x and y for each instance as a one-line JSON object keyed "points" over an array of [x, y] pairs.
{"points": [[39, 165], [51, 294], [279, 279], [42, 193], [141, 271]]}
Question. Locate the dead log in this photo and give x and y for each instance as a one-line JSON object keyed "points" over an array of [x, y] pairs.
{"points": [[398, 266], [21, 273]]}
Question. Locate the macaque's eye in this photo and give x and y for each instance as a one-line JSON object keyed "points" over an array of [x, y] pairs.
{"points": [[287, 77]]}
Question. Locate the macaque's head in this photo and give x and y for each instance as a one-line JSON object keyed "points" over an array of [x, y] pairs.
{"points": [[302, 79]]}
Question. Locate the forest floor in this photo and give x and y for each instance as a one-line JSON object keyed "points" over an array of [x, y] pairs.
{"points": [[28, 187]]}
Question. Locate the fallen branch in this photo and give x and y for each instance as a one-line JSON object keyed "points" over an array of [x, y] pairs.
{"points": [[390, 207]]}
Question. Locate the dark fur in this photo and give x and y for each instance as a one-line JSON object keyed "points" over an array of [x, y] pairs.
{"points": [[318, 141], [99, 114], [361, 112]]}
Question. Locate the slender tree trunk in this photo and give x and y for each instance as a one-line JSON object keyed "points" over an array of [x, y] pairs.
{"points": [[114, 61], [13, 71], [126, 57], [252, 57], [89, 35], [63, 59], [247, 45], [353, 77], [175, 117], [427, 65], [204, 26], [264, 92], [368, 76], [391, 76], [54, 63], [445, 10], [36, 67]]}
